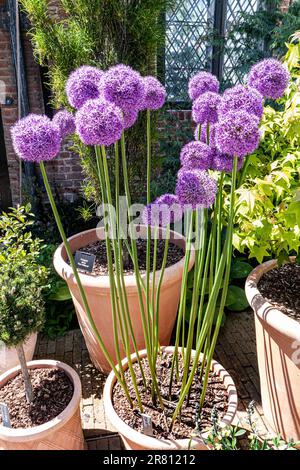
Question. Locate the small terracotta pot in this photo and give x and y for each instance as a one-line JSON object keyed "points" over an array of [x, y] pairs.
{"points": [[61, 433], [278, 352], [9, 357], [97, 289], [134, 440]]}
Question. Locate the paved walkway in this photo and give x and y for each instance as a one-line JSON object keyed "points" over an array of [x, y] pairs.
{"points": [[236, 351]]}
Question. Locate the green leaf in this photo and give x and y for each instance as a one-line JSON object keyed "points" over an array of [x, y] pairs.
{"points": [[236, 299], [61, 294], [240, 269]]}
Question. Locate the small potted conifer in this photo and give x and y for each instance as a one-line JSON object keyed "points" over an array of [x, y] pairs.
{"points": [[40, 399]]}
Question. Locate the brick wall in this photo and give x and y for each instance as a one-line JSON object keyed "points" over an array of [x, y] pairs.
{"points": [[65, 172]]}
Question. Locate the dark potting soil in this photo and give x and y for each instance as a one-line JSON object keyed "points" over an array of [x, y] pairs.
{"points": [[216, 396], [175, 254], [281, 287], [52, 390]]}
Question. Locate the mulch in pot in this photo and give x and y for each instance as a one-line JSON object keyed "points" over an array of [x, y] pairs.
{"points": [[216, 396], [52, 390], [98, 248], [281, 287]]}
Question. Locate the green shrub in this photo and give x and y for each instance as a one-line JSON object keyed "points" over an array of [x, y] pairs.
{"points": [[268, 204], [22, 278]]}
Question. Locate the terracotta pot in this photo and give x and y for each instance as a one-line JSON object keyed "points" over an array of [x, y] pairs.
{"points": [[9, 357], [278, 352], [61, 433], [134, 440], [97, 289]]}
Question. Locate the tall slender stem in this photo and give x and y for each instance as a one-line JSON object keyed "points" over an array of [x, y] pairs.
{"points": [[228, 247], [79, 284], [148, 254]]}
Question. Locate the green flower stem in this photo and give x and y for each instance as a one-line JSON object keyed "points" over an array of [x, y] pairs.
{"points": [[180, 317], [198, 270], [122, 318], [199, 132], [155, 312], [220, 226], [78, 281], [228, 244], [113, 290], [202, 336], [203, 288], [208, 133], [161, 276], [148, 261], [138, 277]]}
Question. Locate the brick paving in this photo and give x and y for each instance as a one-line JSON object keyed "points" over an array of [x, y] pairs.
{"points": [[236, 351]]}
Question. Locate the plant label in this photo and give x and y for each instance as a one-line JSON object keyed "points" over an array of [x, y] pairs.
{"points": [[5, 415], [147, 424], [85, 261]]}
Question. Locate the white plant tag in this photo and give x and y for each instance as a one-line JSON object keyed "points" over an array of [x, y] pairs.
{"points": [[5, 415], [147, 424]]}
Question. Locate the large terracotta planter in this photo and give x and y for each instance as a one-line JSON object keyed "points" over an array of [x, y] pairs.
{"points": [[134, 440], [9, 357], [278, 352], [61, 433], [97, 289]]}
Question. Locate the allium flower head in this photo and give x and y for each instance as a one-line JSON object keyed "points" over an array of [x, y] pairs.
{"points": [[237, 133], [163, 211], [130, 117], [35, 138], [65, 122], [205, 108], [201, 83], [99, 123], [269, 77], [223, 162], [155, 94], [83, 85], [243, 98], [195, 188], [124, 87], [203, 137], [196, 155]]}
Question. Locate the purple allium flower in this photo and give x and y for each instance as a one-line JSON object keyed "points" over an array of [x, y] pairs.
{"points": [[83, 85], [163, 211], [240, 98], [195, 188], [124, 87], [205, 108], [196, 155], [35, 138], [99, 122], [237, 133], [203, 138], [201, 83], [155, 94], [223, 162], [269, 77], [130, 117], [65, 122]]}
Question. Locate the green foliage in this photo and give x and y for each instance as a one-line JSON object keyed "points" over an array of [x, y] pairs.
{"points": [[228, 438], [268, 205], [60, 313], [101, 33], [22, 278]]}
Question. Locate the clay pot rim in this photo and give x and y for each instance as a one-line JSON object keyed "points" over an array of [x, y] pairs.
{"points": [[28, 434], [166, 444], [171, 274], [267, 312]]}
